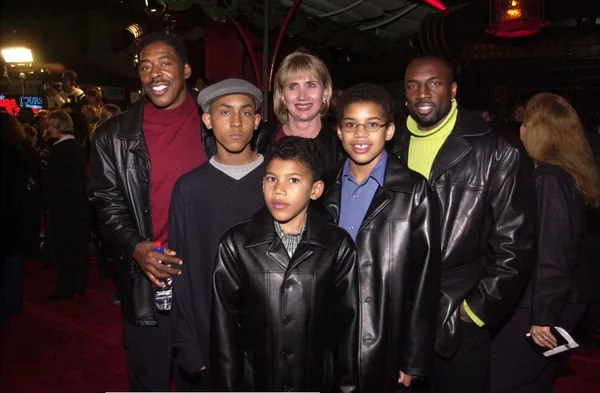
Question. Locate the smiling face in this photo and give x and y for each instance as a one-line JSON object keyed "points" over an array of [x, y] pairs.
{"points": [[163, 75], [365, 148], [233, 119], [303, 96], [429, 90], [288, 188]]}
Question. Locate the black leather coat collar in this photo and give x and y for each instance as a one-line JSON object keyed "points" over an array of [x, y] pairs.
{"points": [[262, 231]]}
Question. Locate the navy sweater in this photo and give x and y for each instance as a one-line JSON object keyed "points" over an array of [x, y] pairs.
{"points": [[206, 202]]}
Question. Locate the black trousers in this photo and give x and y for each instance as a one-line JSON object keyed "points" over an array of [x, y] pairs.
{"points": [[70, 244], [151, 363], [468, 371]]}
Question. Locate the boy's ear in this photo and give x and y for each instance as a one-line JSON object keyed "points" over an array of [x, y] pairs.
{"points": [[390, 131], [207, 120], [317, 190], [257, 119]]}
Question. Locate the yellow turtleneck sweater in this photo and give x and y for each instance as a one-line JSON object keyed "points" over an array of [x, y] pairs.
{"points": [[422, 150], [424, 145]]}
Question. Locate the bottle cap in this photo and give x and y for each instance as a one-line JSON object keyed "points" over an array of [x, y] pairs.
{"points": [[157, 243]]}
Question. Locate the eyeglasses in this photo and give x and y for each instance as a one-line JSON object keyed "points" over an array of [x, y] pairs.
{"points": [[369, 127]]}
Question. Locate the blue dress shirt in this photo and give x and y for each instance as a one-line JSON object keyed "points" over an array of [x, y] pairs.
{"points": [[356, 198]]}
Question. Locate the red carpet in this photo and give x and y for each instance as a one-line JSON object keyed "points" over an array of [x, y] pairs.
{"points": [[75, 346], [66, 346]]}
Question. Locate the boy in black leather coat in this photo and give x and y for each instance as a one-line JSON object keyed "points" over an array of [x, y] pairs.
{"points": [[284, 305]]}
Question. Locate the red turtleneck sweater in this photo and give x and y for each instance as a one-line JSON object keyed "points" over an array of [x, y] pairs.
{"points": [[174, 142]]}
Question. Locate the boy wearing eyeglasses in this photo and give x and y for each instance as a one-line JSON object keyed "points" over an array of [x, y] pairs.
{"points": [[392, 214]]}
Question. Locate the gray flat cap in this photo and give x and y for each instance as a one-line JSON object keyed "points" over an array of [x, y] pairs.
{"points": [[227, 87]]}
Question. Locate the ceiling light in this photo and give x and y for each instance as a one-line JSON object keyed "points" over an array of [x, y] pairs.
{"points": [[17, 55]]}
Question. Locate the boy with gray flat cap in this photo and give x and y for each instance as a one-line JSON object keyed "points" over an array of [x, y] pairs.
{"points": [[206, 202]]}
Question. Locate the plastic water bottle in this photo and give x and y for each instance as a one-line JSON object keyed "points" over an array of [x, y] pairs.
{"points": [[163, 296]]}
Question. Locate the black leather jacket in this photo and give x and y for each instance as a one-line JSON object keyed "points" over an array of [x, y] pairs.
{"points": [[119, 187], [488, 215], [280, 323], [399, 260], [327, 136]]}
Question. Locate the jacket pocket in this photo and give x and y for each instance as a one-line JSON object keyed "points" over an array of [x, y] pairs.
{"points": [[248, 381], [328, 371]]}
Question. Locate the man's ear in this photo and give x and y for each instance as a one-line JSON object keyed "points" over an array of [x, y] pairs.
{"points": [[454, 89], [187, 71], [317, 190], [390, 131], [207, 120], [257, 119]]}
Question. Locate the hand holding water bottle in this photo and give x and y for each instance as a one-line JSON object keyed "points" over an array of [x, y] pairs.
{"points": [[150, 261], [163, 295]]}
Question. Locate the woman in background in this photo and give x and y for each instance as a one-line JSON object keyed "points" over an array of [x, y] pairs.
{"points": [[566, 182], [63, 192]]}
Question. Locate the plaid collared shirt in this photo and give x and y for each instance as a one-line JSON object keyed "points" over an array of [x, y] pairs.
{"points": [[290, 240]]}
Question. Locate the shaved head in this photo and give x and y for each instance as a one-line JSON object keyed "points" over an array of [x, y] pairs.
{"points": [[430, 89], [427, 59]]}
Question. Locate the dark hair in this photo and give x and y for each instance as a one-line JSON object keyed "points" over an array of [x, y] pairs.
{"points": [[26, 115], [308, 151], [70, 75], [93, 91], [367, 93], [11, 132], [169, 39]]}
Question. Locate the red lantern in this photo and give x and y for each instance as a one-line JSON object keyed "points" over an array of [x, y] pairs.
{"points": [[515, 18]]}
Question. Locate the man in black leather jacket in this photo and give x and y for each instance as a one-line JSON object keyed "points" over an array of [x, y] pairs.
{"points": [[134, 155], [487, 201]]}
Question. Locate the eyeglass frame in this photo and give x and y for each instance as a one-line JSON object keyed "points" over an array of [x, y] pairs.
{"points": [[365, 127]]}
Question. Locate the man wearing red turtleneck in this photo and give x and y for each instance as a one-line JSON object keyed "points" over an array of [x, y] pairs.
{"points": [[136, 159]]}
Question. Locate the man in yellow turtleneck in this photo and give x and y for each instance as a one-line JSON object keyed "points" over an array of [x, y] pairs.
{"points": [[488, 217]]}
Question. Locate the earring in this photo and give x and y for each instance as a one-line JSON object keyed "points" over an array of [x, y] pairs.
{"points": [[324, 101], [405, 103]]}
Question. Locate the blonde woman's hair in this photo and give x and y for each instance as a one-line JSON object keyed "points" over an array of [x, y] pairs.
{"points": [[294, 65], [554, 135], [107, 111], [62, 121], [91, 113]]}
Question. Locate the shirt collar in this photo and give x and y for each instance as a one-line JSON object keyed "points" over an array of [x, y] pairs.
{"points": [[64, 138], [377, 174], [281, 233]]}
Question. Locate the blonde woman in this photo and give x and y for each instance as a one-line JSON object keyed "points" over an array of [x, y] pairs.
{"points": [[566, 182], [301, 95]]}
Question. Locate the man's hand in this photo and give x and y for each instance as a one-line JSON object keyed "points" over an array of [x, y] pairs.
{"points": [[404, 379], [542, 336], [463, 314], [149, 260]]}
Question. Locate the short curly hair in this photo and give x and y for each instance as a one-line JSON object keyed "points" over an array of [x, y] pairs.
{"points": [[367, 93], [169, 39], [308, 151]]}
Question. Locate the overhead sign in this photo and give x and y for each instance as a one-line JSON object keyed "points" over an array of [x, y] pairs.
{"points": [[13, 103]]}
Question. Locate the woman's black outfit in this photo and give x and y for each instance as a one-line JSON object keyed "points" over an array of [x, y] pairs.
{"points": [[327, 136], [558, 290]]}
